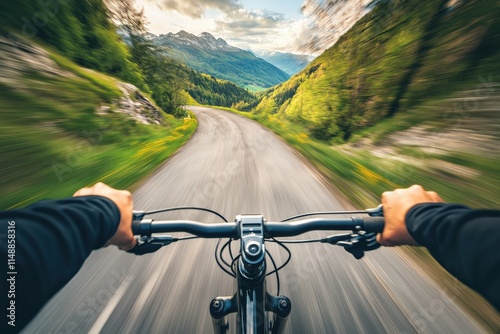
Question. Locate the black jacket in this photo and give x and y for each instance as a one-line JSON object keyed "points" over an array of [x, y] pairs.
{"points": [[52, 239], [466, 242]]}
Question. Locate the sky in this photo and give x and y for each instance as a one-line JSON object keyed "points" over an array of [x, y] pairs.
{"points": [[298, 26]]}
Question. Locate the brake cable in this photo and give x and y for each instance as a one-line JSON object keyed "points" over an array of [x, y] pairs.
{"points": [[221, 253], [294, 241], [324, 213], [186, 208], [287, 260], [274, 271], [233, 274]]}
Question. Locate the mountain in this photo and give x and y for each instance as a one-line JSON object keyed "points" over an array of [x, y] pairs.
{"points": [[386, 64], [207, 54], [290, 63]]}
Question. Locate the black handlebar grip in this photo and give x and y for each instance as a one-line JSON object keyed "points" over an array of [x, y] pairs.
{"points": [[373, 224], [136, 226], [137, 217]]}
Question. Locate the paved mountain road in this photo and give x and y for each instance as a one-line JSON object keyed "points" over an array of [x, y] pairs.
{"points": [[233, 165]]}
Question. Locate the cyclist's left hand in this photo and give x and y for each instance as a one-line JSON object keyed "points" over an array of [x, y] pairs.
{"points": [[123, 238]]}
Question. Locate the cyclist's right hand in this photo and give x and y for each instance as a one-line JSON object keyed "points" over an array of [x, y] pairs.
{"points": [[396, 205]]}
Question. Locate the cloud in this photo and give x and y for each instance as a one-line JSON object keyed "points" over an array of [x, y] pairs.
{"points": [[196, 8], [254, 29], [242, 22]]}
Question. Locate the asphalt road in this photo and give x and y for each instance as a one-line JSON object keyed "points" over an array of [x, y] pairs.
{"points": [[233, 165]]}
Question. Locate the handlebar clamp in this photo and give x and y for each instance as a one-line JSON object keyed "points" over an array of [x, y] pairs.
{"points": [[252, 241]]}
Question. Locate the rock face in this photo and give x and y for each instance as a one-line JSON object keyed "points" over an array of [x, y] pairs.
{"points": [[134, 104], [20, 59]]}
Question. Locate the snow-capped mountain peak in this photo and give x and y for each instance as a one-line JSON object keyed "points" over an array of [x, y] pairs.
{"points": [[204, 40]]}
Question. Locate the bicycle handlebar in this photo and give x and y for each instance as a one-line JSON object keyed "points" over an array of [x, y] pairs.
{"points": [[271, 229], [204, 230]]}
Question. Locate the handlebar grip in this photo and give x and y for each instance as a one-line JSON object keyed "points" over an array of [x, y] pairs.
{"points": [[141, 227], [136, 226], [373, 224], [137, 217]]}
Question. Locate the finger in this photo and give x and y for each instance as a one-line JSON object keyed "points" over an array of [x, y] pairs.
{"points": [[384, 242], [386, 196], [434, 195], [127, 195], [416, 187], [102, 187], [129, 245], [82, 192]]}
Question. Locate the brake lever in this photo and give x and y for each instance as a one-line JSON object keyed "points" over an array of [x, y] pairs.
{"points": [[333, 239], [138, 214], [147, 245], [376, 212], [360, 243]]}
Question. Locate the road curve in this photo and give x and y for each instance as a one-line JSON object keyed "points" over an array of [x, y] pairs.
{"points": [[233, 165]]}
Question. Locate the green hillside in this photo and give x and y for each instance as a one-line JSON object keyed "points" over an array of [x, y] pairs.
{"points": [[80, 30], [63, 131], [64, 126], [401, 54], [208, 90]]}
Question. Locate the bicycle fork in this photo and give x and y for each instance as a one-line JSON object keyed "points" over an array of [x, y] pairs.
{"points": [[251, 301], [220, 307]]}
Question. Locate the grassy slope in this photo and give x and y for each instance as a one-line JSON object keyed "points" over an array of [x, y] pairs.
{"points": [[399, 56], [53, 142], [363, 176]]}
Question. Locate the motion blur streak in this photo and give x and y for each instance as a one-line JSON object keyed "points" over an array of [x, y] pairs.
{"points": [[233, 165], [329, 20]]}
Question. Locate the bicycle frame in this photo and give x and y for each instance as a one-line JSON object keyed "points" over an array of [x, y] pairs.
{"points": [[251, 301]]}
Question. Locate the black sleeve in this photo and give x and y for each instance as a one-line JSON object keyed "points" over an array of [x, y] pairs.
{"points": [[52, 239], [464, 241]]}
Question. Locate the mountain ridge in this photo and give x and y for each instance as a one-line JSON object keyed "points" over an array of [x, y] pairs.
{"points": [[214, 56], [288, 62], [204, 40]]}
